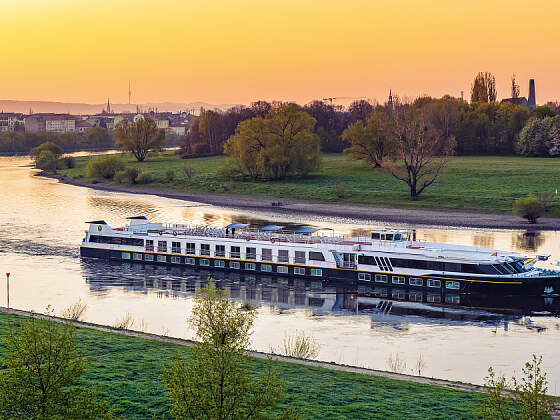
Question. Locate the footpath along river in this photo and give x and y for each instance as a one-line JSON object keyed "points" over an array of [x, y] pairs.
{"points": [[42, 225]]}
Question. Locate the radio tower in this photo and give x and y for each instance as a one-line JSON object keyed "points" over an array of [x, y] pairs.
{"points": [[129, 93]]}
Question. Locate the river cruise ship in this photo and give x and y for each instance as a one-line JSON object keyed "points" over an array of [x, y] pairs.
{"points": [[385, 257]]}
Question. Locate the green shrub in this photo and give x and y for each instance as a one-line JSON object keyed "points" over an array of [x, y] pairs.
{"points": [[132, 174], [144, 178], [105, 166], [49, 146], [120, 177], [340, 190], [529, 208], [46, 160], [170, 175], [68, 162]]}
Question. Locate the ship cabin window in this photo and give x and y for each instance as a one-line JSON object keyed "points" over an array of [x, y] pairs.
{"points": [[398, 294], [189, 260], [116, 241], [454, 267], [317, 272], [204, 249], [376, 236], [283, 255], [148, 257], [415, 296], [455, 285], [176, 260], [266, 268], [398, 237], [299, 270], [431, 298], [434, 283], [162, 258], [251, 253], [220, 250], [366, 260], [219, 263], [266, 254], [162, 246], [416, 281], [282, 269], [250, 266], [125, 255], [176, 247], [234, 264], [190, 248], [381, 278], [452, 299], [300, 257], [398, 280], [235, 252], [364, 276], [205, 262], [137, 257], [316, 256], [149, 245], [388, 237]]}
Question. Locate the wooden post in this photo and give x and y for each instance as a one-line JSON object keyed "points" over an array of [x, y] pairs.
{"points": [[8, 291]]}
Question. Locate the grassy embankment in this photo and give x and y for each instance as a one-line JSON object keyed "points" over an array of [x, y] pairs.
{"points": [[487, 184], [126, 370]]}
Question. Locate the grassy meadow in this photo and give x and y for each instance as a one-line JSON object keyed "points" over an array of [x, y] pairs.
{"points": [[126, 369], [488, 183]]}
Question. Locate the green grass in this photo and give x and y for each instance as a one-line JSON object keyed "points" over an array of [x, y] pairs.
{"points": [[126, 370], [489, 184]]}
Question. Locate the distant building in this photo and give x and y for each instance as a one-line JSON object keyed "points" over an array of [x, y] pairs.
{"points": [[530, 103], [82, 126], [11, 121], [177, 129], [53, 123]]}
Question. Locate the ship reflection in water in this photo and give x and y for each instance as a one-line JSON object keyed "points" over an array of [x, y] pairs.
{"points": [[320, 297]]}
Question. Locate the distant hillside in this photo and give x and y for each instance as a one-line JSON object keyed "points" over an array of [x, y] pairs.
{"points": [[79, 108]]}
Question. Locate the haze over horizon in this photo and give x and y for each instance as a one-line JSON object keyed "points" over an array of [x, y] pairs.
{"points": [[223, 52]]}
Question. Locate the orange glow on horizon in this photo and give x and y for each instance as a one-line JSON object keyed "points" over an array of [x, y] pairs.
{"points": [[238, 51]]}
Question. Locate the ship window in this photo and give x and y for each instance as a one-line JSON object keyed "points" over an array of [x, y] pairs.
{"points": [[416, 281], [316, 256], [176, 247], [250, 266], [189, 260], [281, 269], [204, 249], [300, 257], [375, 236], [364, 276], [176, 260], [398, 294], [455, 267], [415, 296], [125, 255], [204, 262], [455, 285], [162, 258], [397, 236], [162, 246], [380, 292], [283, 255], [148, 257], [381, 278], [266, 267], [452, 299], [219, 263], [500, 269], [317, 272], [434, 283], [235, 252], [190, 248], [149, 245], [234, 264], [220, 250], [398, 280], [299, 270], [137, 256], [251, 253], [266, 254], [509, 268], [389, 237], [431, 298], [366, 259]]}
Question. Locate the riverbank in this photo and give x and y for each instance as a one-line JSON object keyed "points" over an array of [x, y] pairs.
{"points": [[395, 215], [124, 365]]}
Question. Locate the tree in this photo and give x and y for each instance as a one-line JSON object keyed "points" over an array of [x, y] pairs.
{"points": [[372, 141], [421, 151], [360, 110], [483, 88], [42, 368], [50, 146], [217, 382], [514, 90], [529, 208], [281, 145], [139, 137]]}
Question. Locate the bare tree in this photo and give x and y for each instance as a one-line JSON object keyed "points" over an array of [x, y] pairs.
{"points": [[484, 88], [422, 151]]}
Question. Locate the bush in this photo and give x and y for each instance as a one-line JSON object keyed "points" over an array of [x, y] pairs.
{"points": [[188, 171], [47, 146], [120, 177], [46, 160], [132, 174], [529, 208], [105, 166], [170, 175], [144, 178], [68, 162], [340, 190]]}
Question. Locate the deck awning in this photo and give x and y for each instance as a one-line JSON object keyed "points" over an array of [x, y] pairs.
{"points": [[236, 226], [138, 218], [309, 229], [97, 222], [272, 228]]}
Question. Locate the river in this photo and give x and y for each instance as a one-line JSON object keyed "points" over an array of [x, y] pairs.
{"points": [[42, 224]]}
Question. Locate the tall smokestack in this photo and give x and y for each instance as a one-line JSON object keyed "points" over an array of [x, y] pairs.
{"points": [[532, 102]]}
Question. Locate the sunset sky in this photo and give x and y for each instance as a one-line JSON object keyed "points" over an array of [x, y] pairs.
{"points": [[238, 51]]}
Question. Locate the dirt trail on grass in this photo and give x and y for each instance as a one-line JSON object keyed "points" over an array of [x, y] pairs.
{"points": [[349, 211]]}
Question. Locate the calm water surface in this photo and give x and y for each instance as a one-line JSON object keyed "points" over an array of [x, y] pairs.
{"points": [[42, 224]]}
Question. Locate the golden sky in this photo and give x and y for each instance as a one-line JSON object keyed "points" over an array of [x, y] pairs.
{"points": [[237, 51]]}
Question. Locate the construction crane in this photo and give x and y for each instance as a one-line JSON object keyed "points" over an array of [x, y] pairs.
{"points": [[331, 99]]}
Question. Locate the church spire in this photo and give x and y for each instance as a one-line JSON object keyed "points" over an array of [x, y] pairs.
{"points": [[390, 101], [108, 106]]}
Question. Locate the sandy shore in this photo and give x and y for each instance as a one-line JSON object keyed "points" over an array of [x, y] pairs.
{"points": [[351, 211]]}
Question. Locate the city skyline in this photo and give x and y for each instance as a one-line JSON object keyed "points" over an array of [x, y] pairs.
{"points": [[221, 52]]}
